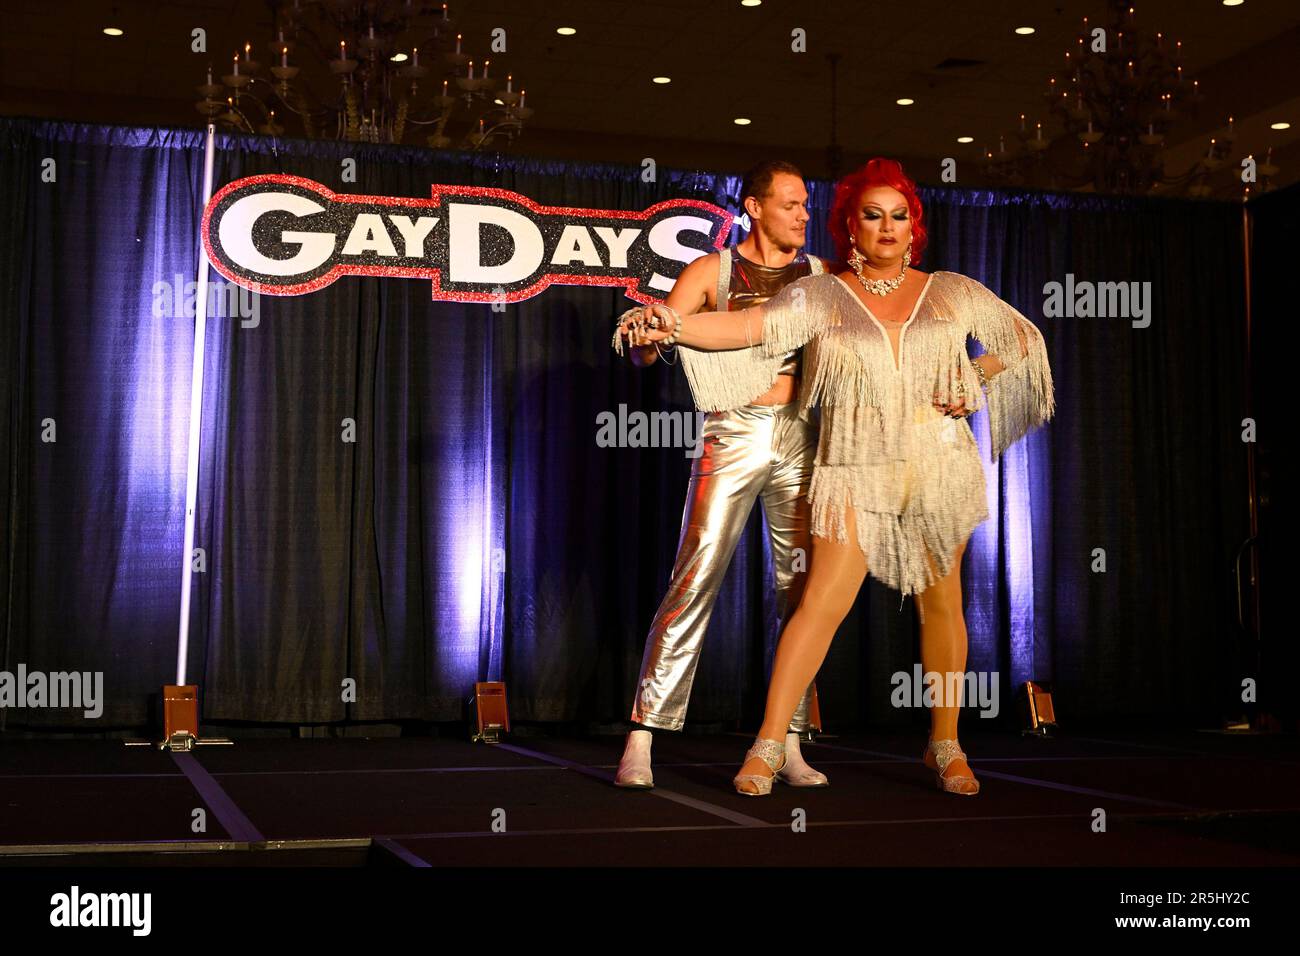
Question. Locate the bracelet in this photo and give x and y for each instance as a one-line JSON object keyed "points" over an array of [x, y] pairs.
{"points": [[677, 328], [979, 370], [670, 343]]}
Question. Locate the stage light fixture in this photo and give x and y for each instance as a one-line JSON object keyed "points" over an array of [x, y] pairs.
{"points": [[1035, 702], [491, 713]]}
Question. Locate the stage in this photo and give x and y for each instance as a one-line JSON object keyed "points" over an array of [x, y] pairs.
{"points": [[1171, 799]]}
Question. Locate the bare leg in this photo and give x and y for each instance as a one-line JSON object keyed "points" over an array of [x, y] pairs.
{"points": [[785, 504], [834, 577], [943, 651]]}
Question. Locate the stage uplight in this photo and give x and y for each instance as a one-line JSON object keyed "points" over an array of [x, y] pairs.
{"points": [[491, 714]]}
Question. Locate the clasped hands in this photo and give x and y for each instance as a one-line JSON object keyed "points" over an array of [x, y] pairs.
{"points": [[958, 410], [647, 325]]}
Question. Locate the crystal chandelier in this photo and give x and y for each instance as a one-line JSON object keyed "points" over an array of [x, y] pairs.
{"points": [[394, 68], [1121, 91]]}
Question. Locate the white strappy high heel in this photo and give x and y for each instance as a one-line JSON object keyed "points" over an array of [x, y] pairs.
{"points": [[769, 751], [945, 752]]}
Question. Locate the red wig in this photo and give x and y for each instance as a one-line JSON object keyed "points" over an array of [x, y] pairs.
{"points": [[848, 193]]}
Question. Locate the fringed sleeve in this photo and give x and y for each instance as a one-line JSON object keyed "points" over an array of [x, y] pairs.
{"points": [[792, 317], [721, 381], [1021, 396], [727, 379]]}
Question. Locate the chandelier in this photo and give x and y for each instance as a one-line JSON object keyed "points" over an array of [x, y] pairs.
{"points": [[391, 69], [1120, 93]]}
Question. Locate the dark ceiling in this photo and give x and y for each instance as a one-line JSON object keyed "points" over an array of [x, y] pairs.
{"points": [[967, 70]]}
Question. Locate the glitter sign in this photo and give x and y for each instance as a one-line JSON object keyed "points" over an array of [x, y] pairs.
{"points": [[284, 235]]}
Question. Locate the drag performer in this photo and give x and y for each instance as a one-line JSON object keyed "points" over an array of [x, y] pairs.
{"points": [[754, 445], [898, 485]]}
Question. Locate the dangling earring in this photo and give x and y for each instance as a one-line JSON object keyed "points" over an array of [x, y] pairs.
{"points": [[907, 257]]}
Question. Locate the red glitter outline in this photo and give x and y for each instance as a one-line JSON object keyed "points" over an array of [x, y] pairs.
{"points": [[434, 273]]}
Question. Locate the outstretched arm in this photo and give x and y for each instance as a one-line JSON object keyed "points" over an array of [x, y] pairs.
{"points": [[784, 322], [689, 294], [715, 331], [710, 331]]}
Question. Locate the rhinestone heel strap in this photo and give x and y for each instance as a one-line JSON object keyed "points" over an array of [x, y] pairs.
{"points": [[772, 753], [945, 752]]}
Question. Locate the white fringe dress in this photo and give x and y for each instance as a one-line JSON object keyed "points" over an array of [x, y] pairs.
{"points": [[912, 475]]}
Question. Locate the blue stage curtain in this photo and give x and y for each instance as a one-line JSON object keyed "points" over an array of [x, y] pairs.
{"points": [[474, 529]]}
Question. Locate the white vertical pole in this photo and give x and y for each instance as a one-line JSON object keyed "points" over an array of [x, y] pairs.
{"points": [[196, 421]]}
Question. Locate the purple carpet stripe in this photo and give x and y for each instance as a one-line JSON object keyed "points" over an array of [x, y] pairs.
{"points": [[401, 852], [1029, 781], [227, 813], [1086, 791], [742, 819]]}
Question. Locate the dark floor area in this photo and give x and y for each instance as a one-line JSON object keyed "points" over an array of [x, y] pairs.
{"points": [[1168, 799]]}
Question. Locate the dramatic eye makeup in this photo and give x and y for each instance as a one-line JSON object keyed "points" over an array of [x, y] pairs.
{"points": [[873, 213]]}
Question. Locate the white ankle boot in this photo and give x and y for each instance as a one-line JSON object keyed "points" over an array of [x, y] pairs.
{"points": [[796, 772], [634, 768]]}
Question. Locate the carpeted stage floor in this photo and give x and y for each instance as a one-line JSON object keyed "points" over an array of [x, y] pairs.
{"points": [[1170, 799]]}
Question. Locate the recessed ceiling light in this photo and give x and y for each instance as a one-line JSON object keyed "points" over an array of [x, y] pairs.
{"points": [[565, 31], [498, 103], [965, 139], [905, 101], [750, 3], [1280, 126], [1024, 31], [113, 31], [1233, 3], [663, 79], [398, 57], [741, 121]]}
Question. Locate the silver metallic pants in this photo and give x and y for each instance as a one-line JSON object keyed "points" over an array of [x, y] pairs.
{"points": [[756, 451]]}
